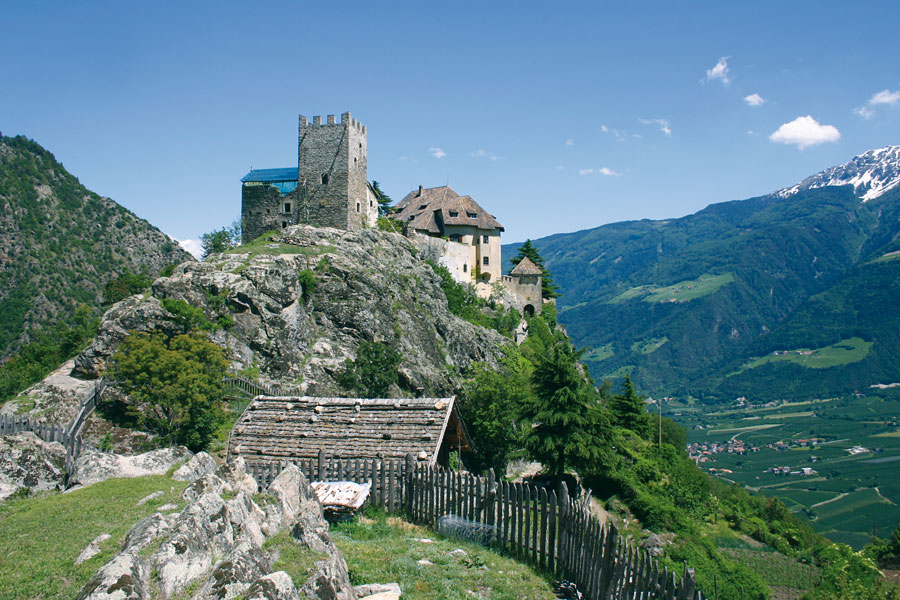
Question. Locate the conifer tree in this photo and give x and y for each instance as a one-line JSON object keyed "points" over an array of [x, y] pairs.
{"points": [[629, 411], [548, 288], [567, 424], [384, 201]]}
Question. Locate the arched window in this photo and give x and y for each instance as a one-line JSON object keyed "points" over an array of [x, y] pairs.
{"points": [[325, 178]]}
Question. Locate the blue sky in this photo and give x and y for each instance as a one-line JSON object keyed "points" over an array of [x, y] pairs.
{"points": [[555, 117]]}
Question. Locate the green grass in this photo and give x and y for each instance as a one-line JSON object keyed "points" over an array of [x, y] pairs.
{"points": [[381, 549], [620, 372], [264, 245], [776, 570], [648, 346], [599, 354], [40, 537], [683, 291], [842, 353], [292, 558]]}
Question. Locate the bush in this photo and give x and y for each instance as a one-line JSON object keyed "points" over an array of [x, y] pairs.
{"points": [[175, 385], [373, 372]]}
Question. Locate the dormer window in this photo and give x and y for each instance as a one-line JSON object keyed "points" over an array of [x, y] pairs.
{"points": [[471, 215], [454, 214], [455, 238]]}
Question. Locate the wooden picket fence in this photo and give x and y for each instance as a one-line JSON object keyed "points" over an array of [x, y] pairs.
{"points": [[546, 529], [68, 435]]}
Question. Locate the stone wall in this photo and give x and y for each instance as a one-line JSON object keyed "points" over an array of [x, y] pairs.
{"points": [[523, 291]]}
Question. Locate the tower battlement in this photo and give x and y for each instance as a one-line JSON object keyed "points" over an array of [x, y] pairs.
{"points": [[346, 120], [329, 187]]}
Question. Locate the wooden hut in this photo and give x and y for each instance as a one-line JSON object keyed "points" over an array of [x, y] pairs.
{"points": [[275, 429]]}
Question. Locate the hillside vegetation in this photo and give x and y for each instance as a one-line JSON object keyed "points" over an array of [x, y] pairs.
{"points": [[729, 286]]}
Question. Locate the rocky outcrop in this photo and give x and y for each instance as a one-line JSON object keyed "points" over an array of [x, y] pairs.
{"points": [[26, 461], [93, 466], [301, 305], [215, 549]]}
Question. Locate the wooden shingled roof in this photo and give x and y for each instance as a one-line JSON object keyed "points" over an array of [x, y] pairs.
{"points": [[286, 428], [526, 267], [431, 209]]}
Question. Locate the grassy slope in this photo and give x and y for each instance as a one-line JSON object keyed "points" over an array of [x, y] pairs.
{"points": [[382, 549], [40, 537]]}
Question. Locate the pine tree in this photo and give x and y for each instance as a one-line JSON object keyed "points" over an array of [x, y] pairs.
{"points": [[548, 288], [629, 411], [384, 201], [568, 426]]}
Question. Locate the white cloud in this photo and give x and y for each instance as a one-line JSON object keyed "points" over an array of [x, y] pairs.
{"points": [[601, 171], [193, 247], [663, 124], [885, 97], [570, 142], [754, 100], [604, 128], [481, 153], [805, 132], [719, 71], [864, 112], [437, 152]]}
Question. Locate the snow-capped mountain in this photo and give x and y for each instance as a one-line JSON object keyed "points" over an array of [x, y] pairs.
{"points": [[871, 175]]}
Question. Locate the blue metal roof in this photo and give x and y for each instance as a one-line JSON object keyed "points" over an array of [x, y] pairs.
{"points": [[285, 174]]}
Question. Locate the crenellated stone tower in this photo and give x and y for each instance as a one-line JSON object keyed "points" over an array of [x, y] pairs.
{"points": [[329, 188]]}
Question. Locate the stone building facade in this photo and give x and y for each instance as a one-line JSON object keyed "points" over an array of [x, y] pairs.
{"points": [[328, 188], [473, 232]]}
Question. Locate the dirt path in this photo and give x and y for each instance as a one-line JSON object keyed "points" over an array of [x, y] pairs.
{"points": [[838, 497]]}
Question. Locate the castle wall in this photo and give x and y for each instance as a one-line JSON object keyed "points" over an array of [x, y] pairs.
{"points": [[523, 290], [332, 173], [456, 257], [263, 209]]}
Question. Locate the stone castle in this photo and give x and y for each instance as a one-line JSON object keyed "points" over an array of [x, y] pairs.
{"points": [[329, 187]]}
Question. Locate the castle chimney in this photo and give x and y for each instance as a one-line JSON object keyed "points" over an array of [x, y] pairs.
{"points": [[420, 192]]}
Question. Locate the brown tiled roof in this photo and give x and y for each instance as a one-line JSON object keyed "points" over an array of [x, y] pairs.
{"points": [[431, 209], [526, 267], [286, 428]]}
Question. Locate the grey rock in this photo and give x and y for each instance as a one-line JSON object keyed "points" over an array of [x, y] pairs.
{"points": [[389, 595], [149, 497], [236, 476], [92, 549], [199, 465], [233, 575], [125, 577], [26, 461], [167, 507], [274, 586], [369, 589], [370, 286], [145, 531], [92, 467], [206, 483]]}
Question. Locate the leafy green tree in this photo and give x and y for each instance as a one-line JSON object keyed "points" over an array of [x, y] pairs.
{"points": [[488, 403], [174, 384], [373, 372], [384, 201], [548, 288], [628, 410], [125, 285], [567, 423], [221, 240]]}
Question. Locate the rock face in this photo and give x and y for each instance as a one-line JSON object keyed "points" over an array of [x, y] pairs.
{"points": [[214, 548], [26, 461], [302, 304], [92, 466]]}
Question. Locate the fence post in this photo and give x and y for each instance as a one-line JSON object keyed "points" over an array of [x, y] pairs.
{"points": [[408, 492], [320, 466], [490, 504]]}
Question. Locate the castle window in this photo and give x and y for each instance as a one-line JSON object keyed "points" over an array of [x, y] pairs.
{"points": [[283, 224], [423, 207], [357, 207], [471, 215], [287, 207], [455, 238], [485, 261], [485, 239], [454, 213], [325, 178], [465, 268]]}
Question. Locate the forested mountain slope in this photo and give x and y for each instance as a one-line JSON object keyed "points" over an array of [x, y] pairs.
{"points": [[695, 304], [60, 243]]}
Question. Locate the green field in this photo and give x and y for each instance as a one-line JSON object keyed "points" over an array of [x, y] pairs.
{"points": [[683, 291], [842, 353], [648, 346], [849, 495], [599, 354]]}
